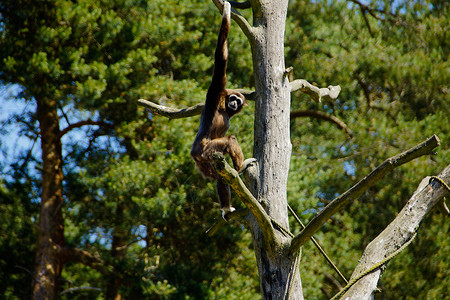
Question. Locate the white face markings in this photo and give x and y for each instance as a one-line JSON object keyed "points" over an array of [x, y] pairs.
{"points": [[234, 102]]}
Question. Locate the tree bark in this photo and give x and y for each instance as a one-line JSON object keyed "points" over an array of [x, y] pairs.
{"points": [[118, 251], [51, 229], [277, 267], [396, 234]]}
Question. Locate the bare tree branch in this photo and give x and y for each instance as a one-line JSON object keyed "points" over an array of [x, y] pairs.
{"points": [[372, 11], [396, 236], [235, 215], [317, 94], [80, 288], [363, 12], [322, 116], [232, 178], [425, 148], [84, 257], [83, 123], [172, 113]]}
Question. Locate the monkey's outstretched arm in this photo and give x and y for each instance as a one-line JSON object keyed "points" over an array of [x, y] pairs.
{"points": [[221, 55]]}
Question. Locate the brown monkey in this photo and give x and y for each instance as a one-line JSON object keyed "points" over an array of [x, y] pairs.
{"points": [[221, 104]]}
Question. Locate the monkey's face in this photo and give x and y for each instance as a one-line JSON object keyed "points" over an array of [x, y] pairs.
{"points": [[234, 103]]}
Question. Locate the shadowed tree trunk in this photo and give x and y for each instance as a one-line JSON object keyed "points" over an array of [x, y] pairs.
{"points": [[51, 229]]}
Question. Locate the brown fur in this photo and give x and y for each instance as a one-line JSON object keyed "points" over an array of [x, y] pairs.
{"points": [[221, 104]]}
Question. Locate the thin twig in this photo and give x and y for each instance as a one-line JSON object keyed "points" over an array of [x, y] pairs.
{"points": [[84, 123], [319, 247], [237, 214], [322, 116], [80, 288]]}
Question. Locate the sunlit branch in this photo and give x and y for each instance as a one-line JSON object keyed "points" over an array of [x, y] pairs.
{"points": [[425, 148], [316, 93], [396, 236], [231, 177]]}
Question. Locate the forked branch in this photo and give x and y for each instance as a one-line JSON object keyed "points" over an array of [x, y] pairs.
{"points": [[316, 93], [425, 148]]}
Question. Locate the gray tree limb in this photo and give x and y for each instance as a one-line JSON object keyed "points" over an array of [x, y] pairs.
{"points": [[231, 177], [172, 113], [397, 234], [425, 148], [316, 93]]}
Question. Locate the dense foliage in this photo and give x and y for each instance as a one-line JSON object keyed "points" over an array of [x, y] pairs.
{"points": [[132, 196]]}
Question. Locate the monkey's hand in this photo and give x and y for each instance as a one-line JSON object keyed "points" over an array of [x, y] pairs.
{"points": [[247, 163], [226, 211], [226, 10]]}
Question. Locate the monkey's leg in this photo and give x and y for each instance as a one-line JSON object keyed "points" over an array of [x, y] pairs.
{"points": [[225, 145], [235, 152], [223, 191]]}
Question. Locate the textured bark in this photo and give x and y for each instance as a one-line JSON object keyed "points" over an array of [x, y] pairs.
{"points": [[277, 267], [49, 260], [396, 234]]}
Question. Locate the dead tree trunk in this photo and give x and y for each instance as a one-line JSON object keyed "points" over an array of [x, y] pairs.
{"points": [[277, 266]]}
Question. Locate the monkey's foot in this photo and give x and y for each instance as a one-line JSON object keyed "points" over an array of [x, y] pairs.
{"points": [[226, 211], [247, 163]]}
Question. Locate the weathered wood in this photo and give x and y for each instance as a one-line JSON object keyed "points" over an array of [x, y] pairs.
{"points": [[424, 148], [396, 234]]}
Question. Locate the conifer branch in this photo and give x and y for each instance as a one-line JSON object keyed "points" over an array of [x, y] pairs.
{"points": [[71, 254]]}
